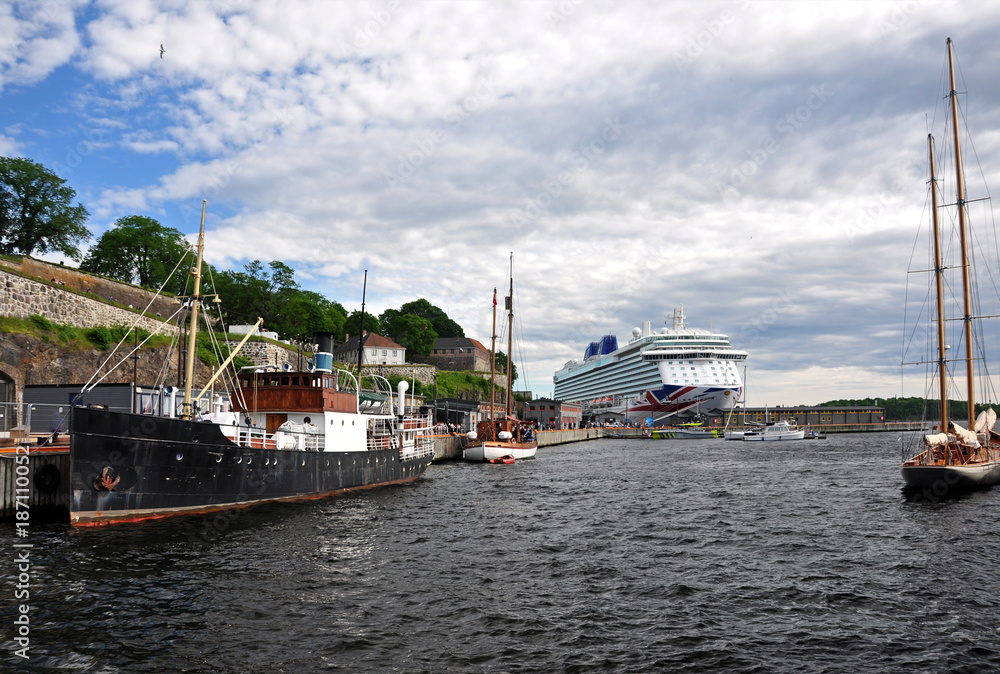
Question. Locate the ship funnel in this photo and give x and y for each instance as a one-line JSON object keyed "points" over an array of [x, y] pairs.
{"points": [[323, 359], [401, 400], [678, 318]]}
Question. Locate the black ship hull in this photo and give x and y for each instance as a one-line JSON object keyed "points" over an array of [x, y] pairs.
{"points": [[130, 467]]}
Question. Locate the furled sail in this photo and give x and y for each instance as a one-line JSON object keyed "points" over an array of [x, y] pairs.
{"points": [[936, 439], [985, 420], [965, 436]]}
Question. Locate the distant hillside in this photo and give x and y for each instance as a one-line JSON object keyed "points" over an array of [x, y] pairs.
{"points": [[910, 409]]}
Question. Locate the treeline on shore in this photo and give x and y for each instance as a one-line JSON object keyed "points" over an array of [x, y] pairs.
{"points": [[911, 409], [38, 215]]}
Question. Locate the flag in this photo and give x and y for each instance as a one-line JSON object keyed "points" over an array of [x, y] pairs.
{"points": [[494, 297]]}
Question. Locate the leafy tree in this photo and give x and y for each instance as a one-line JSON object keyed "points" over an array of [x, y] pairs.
{"points": [[256, 292], [37, 211], [500, 358], [414, 333], [305, 313], [352, 326], [443, 326], [387, 318], [138, 250]]}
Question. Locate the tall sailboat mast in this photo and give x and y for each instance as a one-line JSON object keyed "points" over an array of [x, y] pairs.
{"points": [[960, 199], [939, 282], [493, 359], [510, 334], [186, 411]]}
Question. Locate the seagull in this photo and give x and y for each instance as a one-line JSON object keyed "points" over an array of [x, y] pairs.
{"points": [[162, 51]]}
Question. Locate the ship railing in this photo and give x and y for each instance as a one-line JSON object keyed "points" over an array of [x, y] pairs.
{"points": [[259, 438]]}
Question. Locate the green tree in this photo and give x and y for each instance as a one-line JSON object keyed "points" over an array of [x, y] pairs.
{"points": [[414, 333], [305, 313], [37, 211], [138, 250], [443, 326], [256, 292], [352, 326], [500, 358]]}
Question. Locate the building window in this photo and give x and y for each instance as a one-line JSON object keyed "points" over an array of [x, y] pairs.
{"points": [[394, 353]]}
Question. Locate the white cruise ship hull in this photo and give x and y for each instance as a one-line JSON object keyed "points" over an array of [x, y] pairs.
{"points": [[661, 375]]}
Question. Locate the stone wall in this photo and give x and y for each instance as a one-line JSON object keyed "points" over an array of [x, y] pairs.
{"points": [[112, 291], [269, 354], [22, 297], [422, 373]]}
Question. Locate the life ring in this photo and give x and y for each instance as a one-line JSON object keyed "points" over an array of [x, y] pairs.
{"points": [[47, 478]]}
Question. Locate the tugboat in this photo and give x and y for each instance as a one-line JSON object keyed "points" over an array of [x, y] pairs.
{"points": [[291, 436]]}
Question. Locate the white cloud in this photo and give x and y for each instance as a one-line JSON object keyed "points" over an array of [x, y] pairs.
{"points": [[759, 163], [35, 39]]}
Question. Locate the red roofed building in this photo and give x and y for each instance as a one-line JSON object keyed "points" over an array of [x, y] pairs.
{"points": [[378, 350], [459, 354]]}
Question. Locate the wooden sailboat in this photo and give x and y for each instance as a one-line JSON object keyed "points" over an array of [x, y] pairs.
{"points": [[494, 439], [956, 458]]}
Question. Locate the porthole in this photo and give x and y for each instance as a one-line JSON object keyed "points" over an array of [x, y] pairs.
{"points": [[239, 459], [249, 460], [179, 456]]}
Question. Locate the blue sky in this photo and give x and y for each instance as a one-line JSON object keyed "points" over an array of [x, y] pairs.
{"points": [[761, 164]]}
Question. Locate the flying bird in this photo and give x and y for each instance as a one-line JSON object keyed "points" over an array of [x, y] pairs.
{"points": [[162, 51]]}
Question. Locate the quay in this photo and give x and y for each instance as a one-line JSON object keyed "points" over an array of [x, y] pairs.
{"points": [[43, 481]]}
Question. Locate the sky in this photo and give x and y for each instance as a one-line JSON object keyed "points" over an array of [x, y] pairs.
{"points": [[762, 164]]}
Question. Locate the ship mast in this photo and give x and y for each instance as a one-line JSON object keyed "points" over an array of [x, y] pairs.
{"points": [[186, 410], [510, 333], [493, 361], [939, 282], [960, 199]]}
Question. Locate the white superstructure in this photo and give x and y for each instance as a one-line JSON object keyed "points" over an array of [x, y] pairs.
{"points": [[656, 374]]}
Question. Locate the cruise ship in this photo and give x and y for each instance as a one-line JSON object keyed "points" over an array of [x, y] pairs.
{"points": [[666, 374]]}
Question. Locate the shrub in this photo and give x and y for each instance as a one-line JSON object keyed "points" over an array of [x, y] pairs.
{"points": [[43, 323]]}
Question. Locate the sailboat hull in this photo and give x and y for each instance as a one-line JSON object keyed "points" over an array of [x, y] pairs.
{"points": [[949, 479], [488, 451]]}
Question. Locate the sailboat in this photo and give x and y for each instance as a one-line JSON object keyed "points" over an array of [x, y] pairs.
{"points": [[956, 458], [292, 435], [506, 439]]}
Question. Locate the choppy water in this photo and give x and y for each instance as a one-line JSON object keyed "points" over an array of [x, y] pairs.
{"points": [[616, 555]]}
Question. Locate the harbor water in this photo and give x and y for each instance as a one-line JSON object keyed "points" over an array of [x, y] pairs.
{"points": [[619, 555]]}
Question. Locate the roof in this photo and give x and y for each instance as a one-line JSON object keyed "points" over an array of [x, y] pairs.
{"points": [[372, 341], [458, 343]]}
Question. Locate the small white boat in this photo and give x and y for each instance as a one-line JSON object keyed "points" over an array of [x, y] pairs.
{"points": [[777, 430]]}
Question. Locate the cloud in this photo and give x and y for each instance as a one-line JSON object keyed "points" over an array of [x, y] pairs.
{"points": [[761, 164], [35, 39]]}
